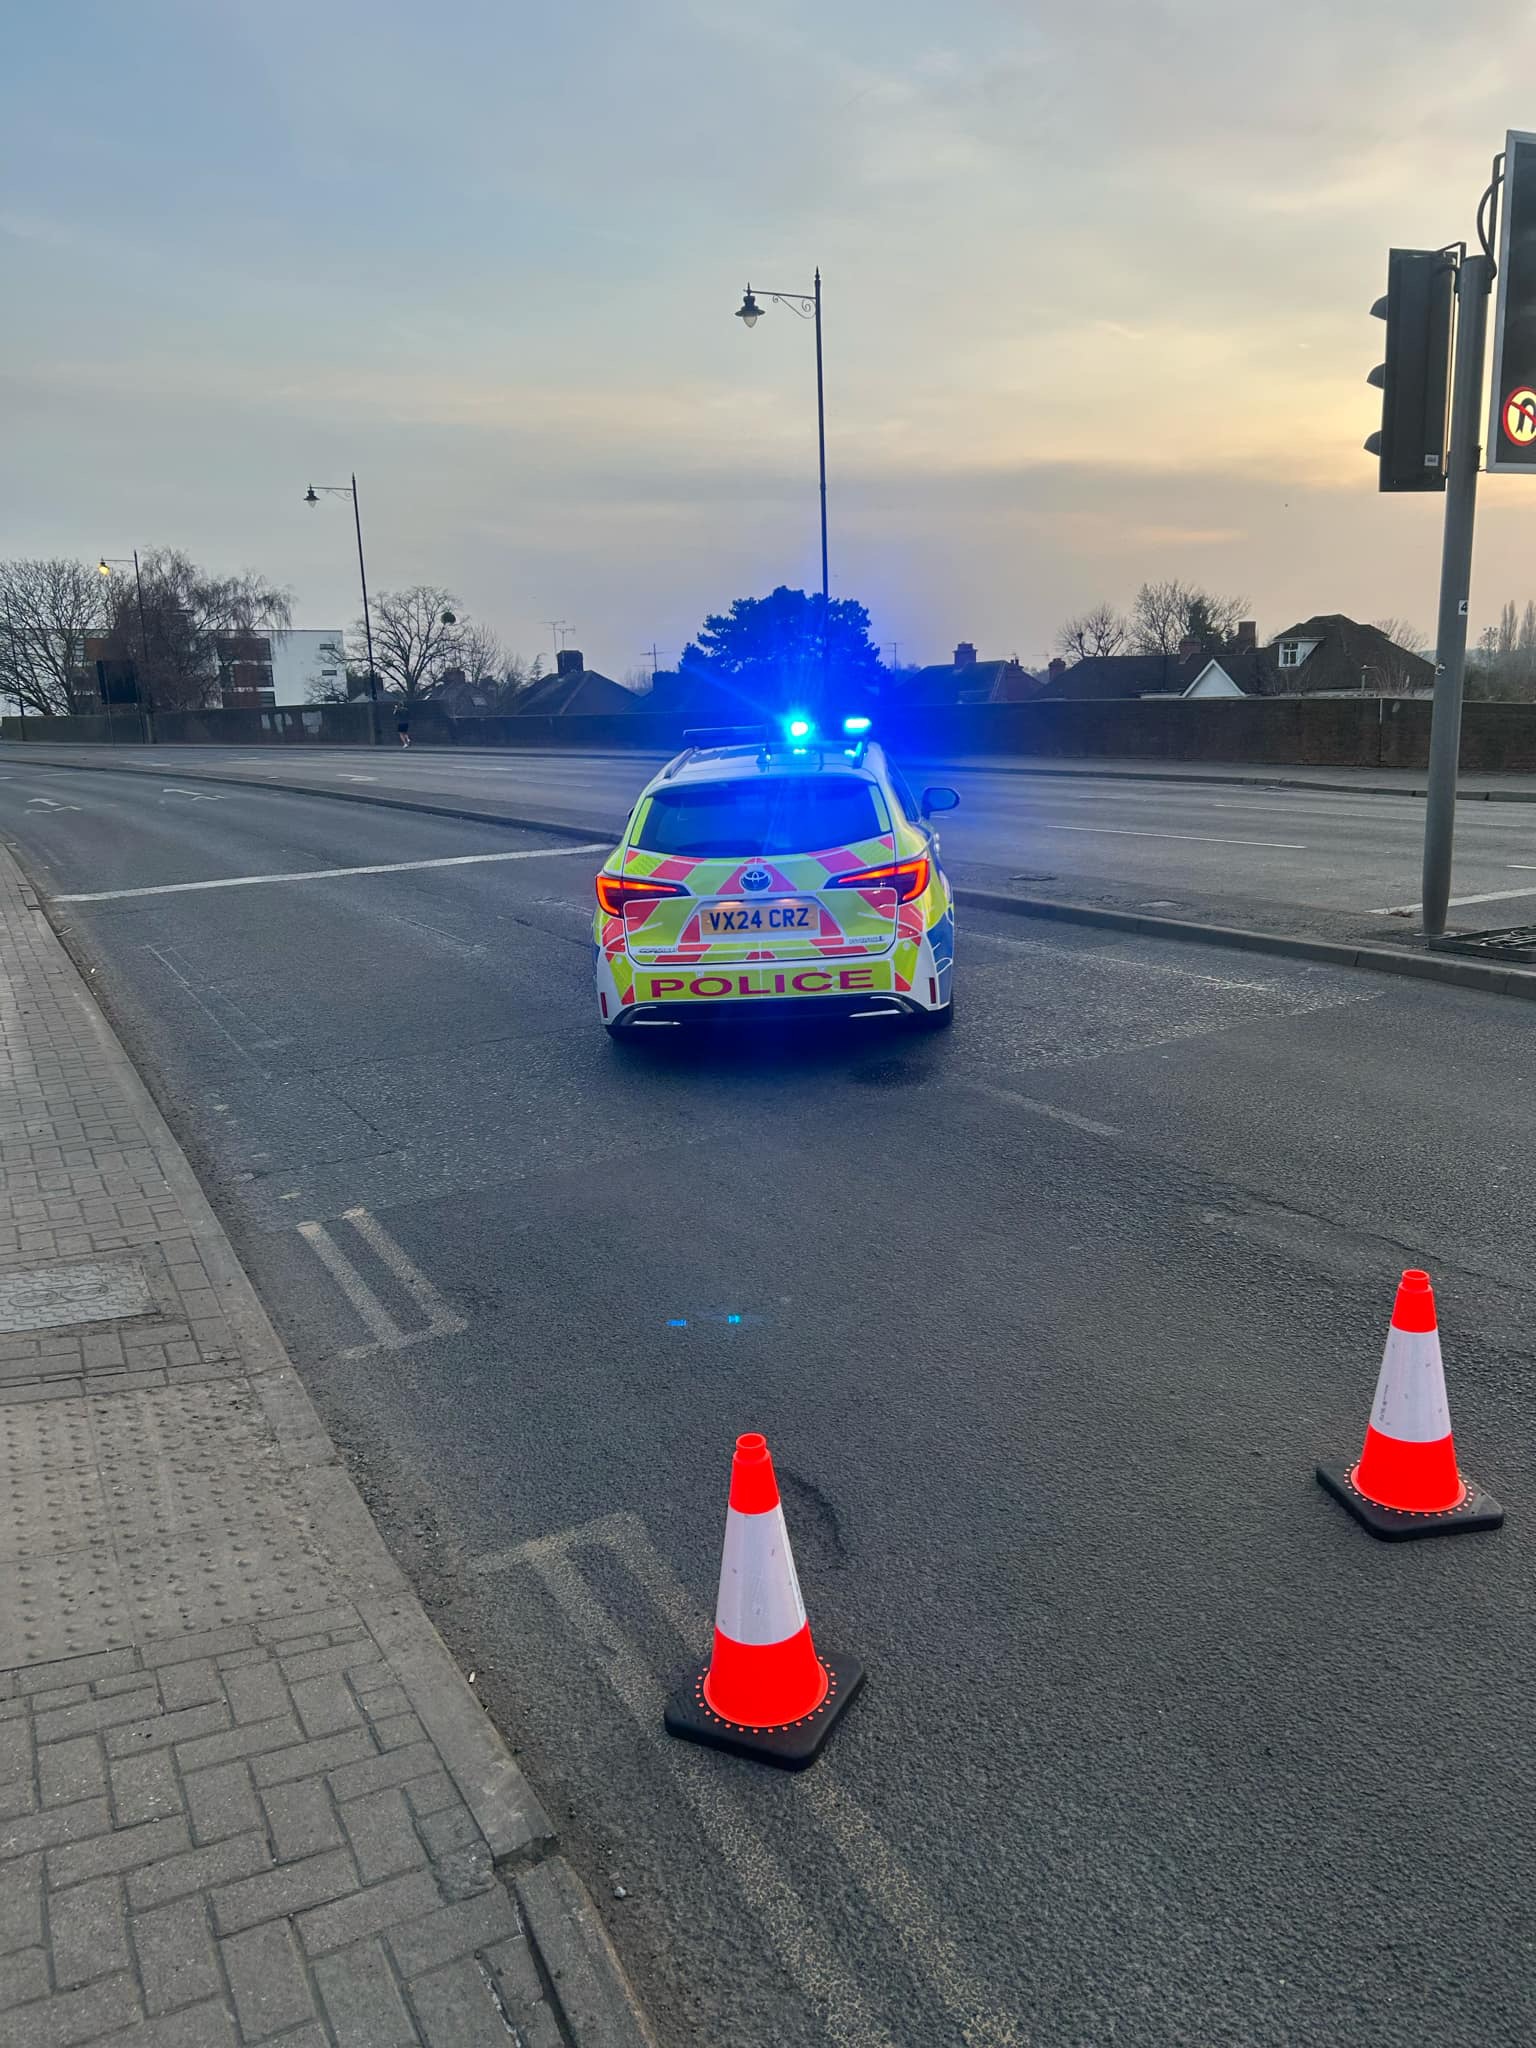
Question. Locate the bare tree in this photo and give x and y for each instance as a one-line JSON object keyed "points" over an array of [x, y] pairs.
{"points": [[416, 636], [479, 652], [639, 680], [191, 627], [47, 607], [1402, 634], [1165, 615], [1099, 631]]}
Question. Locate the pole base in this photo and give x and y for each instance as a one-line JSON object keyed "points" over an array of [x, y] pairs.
{"points": [[1397, 1525], [790, 1748]]}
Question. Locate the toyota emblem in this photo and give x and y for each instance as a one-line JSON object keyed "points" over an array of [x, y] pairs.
{"points": [[756, 878]]}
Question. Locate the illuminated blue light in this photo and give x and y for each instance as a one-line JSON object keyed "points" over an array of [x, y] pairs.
{"points": [[799, 727], [677, 1322], [856, 725], [733, 1319]]}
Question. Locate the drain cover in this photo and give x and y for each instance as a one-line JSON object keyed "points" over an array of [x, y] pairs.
{"points": [[1516, 942], [53, 1295]]}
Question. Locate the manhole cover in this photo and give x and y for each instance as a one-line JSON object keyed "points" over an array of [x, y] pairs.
{"points": [[72, 1294]]}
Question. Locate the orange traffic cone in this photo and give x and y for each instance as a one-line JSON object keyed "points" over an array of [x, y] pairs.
{"points": [[1407, 1482], [766, 1693]]}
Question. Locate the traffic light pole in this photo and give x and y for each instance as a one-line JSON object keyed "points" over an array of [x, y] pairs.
{"points": [[1474, 281]]}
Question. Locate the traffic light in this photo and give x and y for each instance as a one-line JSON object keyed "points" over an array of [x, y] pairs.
{"points": [[1415, 378], [1512, 429]]}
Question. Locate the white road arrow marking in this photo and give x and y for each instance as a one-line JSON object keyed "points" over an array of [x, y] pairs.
{"points": [[196, 796]]}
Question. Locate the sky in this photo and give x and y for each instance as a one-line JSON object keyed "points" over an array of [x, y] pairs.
{"points": [[1097, 282]]}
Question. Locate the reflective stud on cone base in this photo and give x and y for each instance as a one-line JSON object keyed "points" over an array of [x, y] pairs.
{"points": [[766, 1694], [1406, 1481]]}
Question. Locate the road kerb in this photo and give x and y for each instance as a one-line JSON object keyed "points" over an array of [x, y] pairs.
{"points": [[1472, 974]]}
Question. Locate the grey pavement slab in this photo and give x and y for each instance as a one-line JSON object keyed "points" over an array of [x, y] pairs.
{"points": [[193, 1598]]}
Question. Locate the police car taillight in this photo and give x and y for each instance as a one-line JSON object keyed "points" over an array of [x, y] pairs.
{"points": [[909, 878], [614, 891]]}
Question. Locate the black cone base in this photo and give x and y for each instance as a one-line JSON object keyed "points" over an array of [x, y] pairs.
{"points": [[792, 1747], [1394, 1525]]}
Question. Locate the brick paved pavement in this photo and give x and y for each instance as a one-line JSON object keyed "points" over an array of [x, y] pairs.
{"points": [[245, 1796]]}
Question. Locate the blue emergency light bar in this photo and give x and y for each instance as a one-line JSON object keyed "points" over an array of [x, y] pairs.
{"points": [[856, 725]]}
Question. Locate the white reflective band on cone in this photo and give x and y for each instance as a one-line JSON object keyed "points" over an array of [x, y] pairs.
{"points": [[1410, 1391], [759, 1593]]}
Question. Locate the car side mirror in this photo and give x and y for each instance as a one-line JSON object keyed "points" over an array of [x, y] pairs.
{"points": [[939, 800]]}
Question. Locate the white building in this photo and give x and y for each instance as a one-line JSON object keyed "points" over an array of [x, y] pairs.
{"points": [[305, 659]]}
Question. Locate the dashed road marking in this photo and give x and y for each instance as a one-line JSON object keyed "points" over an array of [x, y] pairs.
{"points": [[1195, 838], [1037, 1108]]}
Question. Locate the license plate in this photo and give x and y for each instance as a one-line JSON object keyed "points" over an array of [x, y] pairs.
{"points": [[758, 920]]}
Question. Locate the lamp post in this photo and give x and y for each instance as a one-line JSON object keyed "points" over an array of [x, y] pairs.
{"points": [[105, 567], [312, 497], [808, 306]]}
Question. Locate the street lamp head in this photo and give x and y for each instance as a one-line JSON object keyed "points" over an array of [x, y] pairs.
{"points": [[309, 496], [749, 311], [103, 568]]}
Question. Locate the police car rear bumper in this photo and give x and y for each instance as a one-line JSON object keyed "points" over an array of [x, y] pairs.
{"points": [[736, 1010]]}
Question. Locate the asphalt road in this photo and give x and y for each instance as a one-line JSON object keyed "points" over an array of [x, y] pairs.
{"points": [[1046, 1320], [1316, 860]]}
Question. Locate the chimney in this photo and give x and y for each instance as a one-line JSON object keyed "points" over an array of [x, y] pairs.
{"points": [[1188, 648], [569, 662], [1056, 670], [1247, 635], [965, 655]]}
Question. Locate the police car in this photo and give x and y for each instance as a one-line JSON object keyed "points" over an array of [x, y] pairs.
{"points": [[781, 871]]}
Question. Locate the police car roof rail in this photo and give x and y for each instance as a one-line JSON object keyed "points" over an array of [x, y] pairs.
{"points": [[725, 736], [705, 737]]}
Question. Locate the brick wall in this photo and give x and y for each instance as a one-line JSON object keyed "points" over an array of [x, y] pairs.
{"points": [[1365, 732]]}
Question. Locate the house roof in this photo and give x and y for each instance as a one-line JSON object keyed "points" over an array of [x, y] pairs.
{"points": [[1129, 675], [1350, 655], [581, 692], [1345, 652], [973, 682], [1255, 670]]}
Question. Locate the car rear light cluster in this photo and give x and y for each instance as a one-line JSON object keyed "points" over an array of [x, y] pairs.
{"points": [[909, 878], [615, 891]]}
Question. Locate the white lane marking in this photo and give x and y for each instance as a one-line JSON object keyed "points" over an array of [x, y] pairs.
{"points": [[440, 1317], [193, 796], [46, 803], [388, 1334], [862, 1852], [1486, 896], [1035, 1108], [1203, 838], [393, 867], [354, 1287], [359, 778]]}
